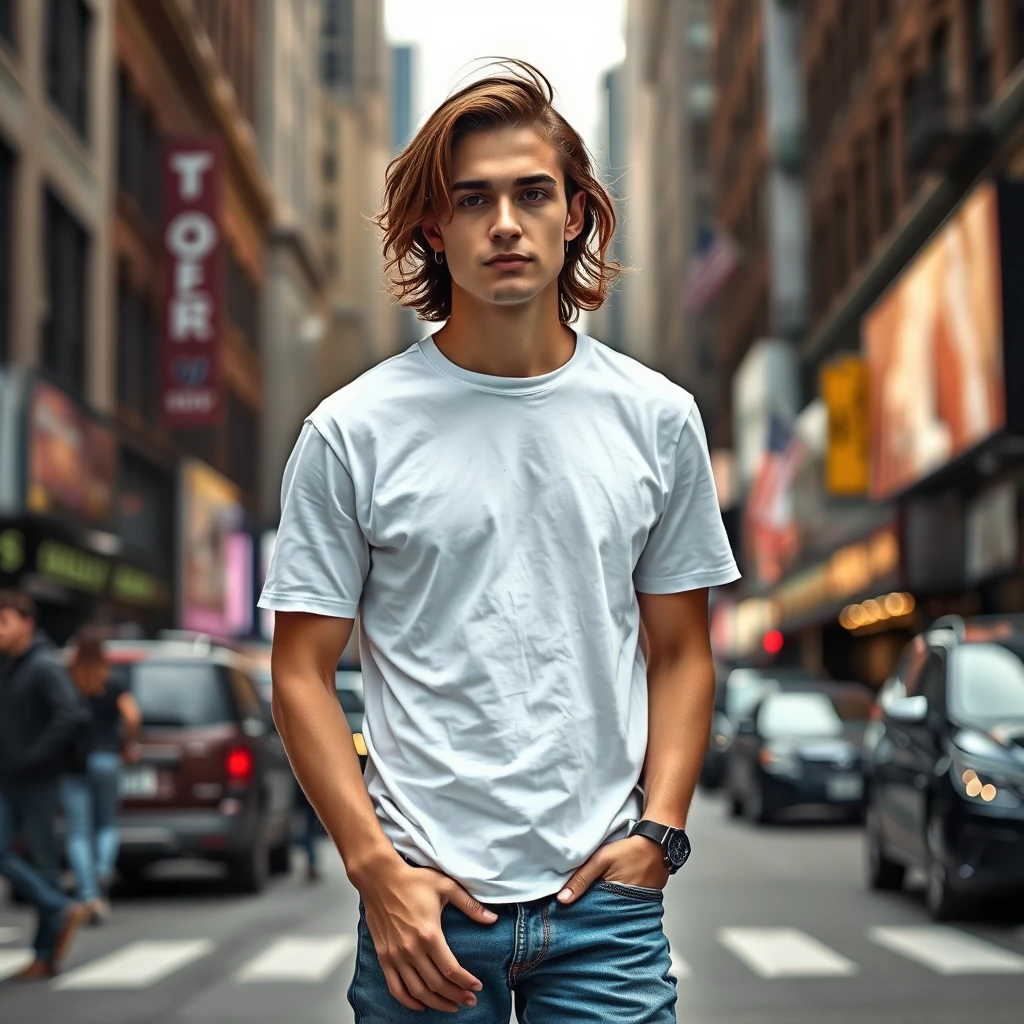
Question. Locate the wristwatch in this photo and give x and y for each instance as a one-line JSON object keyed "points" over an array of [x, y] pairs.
{"points": [[674, 843]]}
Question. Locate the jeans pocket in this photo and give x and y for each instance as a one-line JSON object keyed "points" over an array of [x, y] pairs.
{"points": [[633, 892]]}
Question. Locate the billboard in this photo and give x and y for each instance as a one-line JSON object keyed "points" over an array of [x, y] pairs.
{"points": [[216, 560], [934, 346], [193, 308], [71, 464]]}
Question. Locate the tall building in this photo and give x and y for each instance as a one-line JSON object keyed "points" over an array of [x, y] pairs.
{"points": [[294, 291], [355, 148], [403, 96]]}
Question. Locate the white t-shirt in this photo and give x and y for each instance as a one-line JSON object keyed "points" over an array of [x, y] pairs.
{"points": [[493, 532]]}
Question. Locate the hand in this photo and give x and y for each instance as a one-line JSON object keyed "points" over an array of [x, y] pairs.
{"points": [[403, 911], [633, 861], [131, 753]]}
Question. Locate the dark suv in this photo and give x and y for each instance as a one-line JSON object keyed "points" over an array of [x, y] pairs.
{"points": [[944, 765], [212, 779]]}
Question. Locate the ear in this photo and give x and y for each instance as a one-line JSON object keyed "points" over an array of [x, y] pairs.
{"points": [[433, 234], [574, 219]]}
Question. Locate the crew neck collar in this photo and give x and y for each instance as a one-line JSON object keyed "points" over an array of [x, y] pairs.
{"points": [[506, 385]]}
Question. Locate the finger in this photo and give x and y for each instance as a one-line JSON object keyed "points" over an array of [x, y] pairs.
{"points": [[469, 905], [439, 985], [450, 969], [583, 879], [419, 990], [397, 988]]}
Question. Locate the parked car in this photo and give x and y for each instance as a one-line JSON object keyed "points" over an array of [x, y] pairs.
{"points": [[349, 686], [212, 779], [800, 749], [945, 766], [735, 695]]}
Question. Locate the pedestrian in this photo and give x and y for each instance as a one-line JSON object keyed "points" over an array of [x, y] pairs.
{"points": [[310, 831], [91, 793], [39, 715], [504, 502]]}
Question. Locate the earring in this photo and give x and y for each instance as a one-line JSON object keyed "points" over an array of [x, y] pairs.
{"points": [[566, 248], [438, 257]]}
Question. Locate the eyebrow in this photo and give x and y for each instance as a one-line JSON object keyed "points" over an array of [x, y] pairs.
{"points": [[480, 184]]}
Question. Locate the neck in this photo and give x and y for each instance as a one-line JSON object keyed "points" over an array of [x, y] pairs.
{"points": [[525, 340], [17, 649]]}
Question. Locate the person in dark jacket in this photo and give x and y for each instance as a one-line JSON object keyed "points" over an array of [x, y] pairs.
{"points": [[39, 714]]}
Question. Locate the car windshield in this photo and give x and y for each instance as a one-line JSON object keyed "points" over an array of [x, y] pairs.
{"points": [[745, 688], [988, 680], [180, 694], [793, 715]]}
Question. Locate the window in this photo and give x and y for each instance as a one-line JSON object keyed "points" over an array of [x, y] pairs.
{"points": [[67, 60], [988, 680], [243, 445], [842, 250], [65, 249], [820, 283], [330, 262], [7, 11], [338, 57], [139, 172], [156, 687], [1017, 16], [6, 241], [127, 343], [861, 212], [886, 177], [329, 217], [700, 140], [883, 12], [911, 114], [330, 167], [938, 72], [243, 302], [980, 30]]}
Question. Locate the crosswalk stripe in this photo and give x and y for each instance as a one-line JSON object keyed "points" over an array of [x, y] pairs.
{"points": [[9, 935], [12, 961], [948, 950], [136, 966], [298, 959], [785, 953], [680, 968]]}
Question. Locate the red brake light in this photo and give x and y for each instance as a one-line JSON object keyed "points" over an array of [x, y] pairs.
{"points": [[876, 712], [239, 765]]}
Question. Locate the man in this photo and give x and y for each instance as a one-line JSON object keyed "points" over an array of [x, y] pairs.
{"points": [[39, 712], [505, 502]]}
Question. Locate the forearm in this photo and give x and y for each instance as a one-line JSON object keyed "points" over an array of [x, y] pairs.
{"points": [[681, 702], [319, 745]]}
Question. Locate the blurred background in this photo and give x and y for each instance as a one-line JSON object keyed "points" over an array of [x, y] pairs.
{"points": [[822, 207]]}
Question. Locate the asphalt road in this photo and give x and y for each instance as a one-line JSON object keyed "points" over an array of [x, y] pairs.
{"points": [[767, 926]]}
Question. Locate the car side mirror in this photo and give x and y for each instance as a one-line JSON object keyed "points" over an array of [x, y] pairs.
{"points": [[746, 727], [910, 710]]}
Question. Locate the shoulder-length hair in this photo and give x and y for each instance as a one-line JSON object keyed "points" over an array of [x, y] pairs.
{"points": [[417, 181], [88, 667]]}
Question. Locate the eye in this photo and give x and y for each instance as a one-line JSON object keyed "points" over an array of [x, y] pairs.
{"points": [[471, 202], [532, 195]]}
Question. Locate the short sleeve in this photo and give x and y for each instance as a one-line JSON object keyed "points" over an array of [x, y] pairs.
{"points": [[687, 547], [321, 557]]}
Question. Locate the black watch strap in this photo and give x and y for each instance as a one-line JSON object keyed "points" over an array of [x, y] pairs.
{"points": [[675, 846]]}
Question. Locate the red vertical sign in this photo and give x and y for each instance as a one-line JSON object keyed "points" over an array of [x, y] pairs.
{"points": [[193, 281]]}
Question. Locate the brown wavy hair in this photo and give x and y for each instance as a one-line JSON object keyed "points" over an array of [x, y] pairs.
{"points": [[416, 187], [88, 668]]}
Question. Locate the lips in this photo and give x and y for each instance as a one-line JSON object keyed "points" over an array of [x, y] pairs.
{"points": [[508, 259]]}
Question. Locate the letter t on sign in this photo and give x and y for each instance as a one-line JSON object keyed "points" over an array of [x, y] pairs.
{"points": [[189, 167]]}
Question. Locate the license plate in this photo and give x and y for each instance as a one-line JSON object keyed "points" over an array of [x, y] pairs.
{"points": [[139, 782], [845, 787]]}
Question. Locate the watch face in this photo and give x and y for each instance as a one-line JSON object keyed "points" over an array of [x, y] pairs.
{"points": [[678, 848]]}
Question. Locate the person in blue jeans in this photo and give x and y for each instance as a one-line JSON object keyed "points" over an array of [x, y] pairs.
{"points": [[526, 522], [39, 715], [91, 795]]}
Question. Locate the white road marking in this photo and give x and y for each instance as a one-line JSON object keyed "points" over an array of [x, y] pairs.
{"points": [[9, 935], [136, 966], [948, 950], [299, 959], [12, 961], [785, 953], [680, 968]]}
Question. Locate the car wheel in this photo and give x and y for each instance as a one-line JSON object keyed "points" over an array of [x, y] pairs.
{"points": [[882, 873], [281, 859], [248, 871], [943, 901], [754, 808]]}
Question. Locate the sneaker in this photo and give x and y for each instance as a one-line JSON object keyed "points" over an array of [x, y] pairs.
{"points": [[99, 910], [74, 917], [38, 970]]}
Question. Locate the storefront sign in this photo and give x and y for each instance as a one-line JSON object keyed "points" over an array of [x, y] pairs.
{"points": [[72, 458], [991, 533], [193, 282], [934, 344], [844, 388]]}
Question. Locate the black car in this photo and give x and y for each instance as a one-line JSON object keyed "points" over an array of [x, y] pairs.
{"points": [[944, 766], [735, 695], [800, 749]]}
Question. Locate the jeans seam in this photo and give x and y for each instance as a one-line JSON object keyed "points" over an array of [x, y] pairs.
{"points": [[640, 893], [545, 944], [512, 967]]}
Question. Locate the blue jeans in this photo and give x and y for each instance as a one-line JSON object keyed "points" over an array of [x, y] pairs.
{"points": [[31, 809], [90, 805], [601, 960]]}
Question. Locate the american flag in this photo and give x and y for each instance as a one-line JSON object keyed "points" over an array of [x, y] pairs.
{"points": [[714, 261], [768, 515]]}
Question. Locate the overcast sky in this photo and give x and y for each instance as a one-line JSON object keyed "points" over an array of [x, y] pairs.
{"points": [[572, 41]]}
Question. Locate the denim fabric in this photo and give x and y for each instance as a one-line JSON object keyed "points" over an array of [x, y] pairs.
{"points": [[602, 960], [90, 805], [30, 809]]}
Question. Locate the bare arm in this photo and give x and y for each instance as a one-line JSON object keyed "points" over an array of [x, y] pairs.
{"points": [[132, 718], [403, 904]]}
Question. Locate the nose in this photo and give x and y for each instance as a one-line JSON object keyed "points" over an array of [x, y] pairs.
{"points": [[506, 224]]}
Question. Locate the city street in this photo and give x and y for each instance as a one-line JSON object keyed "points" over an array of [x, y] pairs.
{"points": [[766, 925]]}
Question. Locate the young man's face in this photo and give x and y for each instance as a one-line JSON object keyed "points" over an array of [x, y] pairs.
{"points": [[505, 241], [15, 631]]}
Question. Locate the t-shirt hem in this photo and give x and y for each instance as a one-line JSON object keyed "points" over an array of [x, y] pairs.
{"points": [[688, 581], [314, 605]]}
